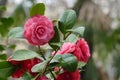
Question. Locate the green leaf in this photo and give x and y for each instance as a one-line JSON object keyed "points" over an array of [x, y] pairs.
{"points": [[67, 20], [40, 67], [16, 32], [72, 38], [69, 62], [20, 55], [81, 64], [3, 56], [59, 44], [48, 53], [55, 61], [26, 76], [78, 30], [37, 9], [53, 65], [55, 45], [6, 69], [55, 39], [2, 8], [1, 47], [57, 57]]}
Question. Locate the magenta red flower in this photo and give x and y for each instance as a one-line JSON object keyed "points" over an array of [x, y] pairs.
{"points": [[69, 75], [23, 66], [82, 51]]}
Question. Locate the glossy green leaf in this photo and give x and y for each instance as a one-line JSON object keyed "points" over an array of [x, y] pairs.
{"points": [[78, 30], [40, 67], [55, 45], [37, 9], [55, 39], [48, 53], [6, 69], [26, 76], [16, 32], [3, 56], [55, 61], [81, 64], [20, 55], [72, 38], [53, 65], [67, 20], [59, 44], [69, 62], [2, 8], [57, 57]]}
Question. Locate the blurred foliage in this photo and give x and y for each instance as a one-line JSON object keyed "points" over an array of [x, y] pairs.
{"points": [[117, 65], [19, 15], [91, 72], [5, 24]]}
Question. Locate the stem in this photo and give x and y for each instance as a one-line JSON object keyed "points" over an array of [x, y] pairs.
{"points": [[64, 37], [47, 63], [52, 74], [68, 34]]}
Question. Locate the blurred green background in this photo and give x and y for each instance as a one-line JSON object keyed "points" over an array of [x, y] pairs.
{"points": [[100, 17]]}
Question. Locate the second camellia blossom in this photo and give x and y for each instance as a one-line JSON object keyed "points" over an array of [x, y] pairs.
{"points": [[80, 50], [38, 30]]}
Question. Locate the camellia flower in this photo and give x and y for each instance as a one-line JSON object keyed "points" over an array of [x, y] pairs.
{"points": [[28, 64], [82, 51], [67, 48], [38, 30], [69, 75], [19, 69], [23, 66]]}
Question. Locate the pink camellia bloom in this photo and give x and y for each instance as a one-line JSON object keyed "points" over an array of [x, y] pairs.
{"points": [[23, 66], [67, 48], [38, 30], [69, 75], [82, 51]]}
